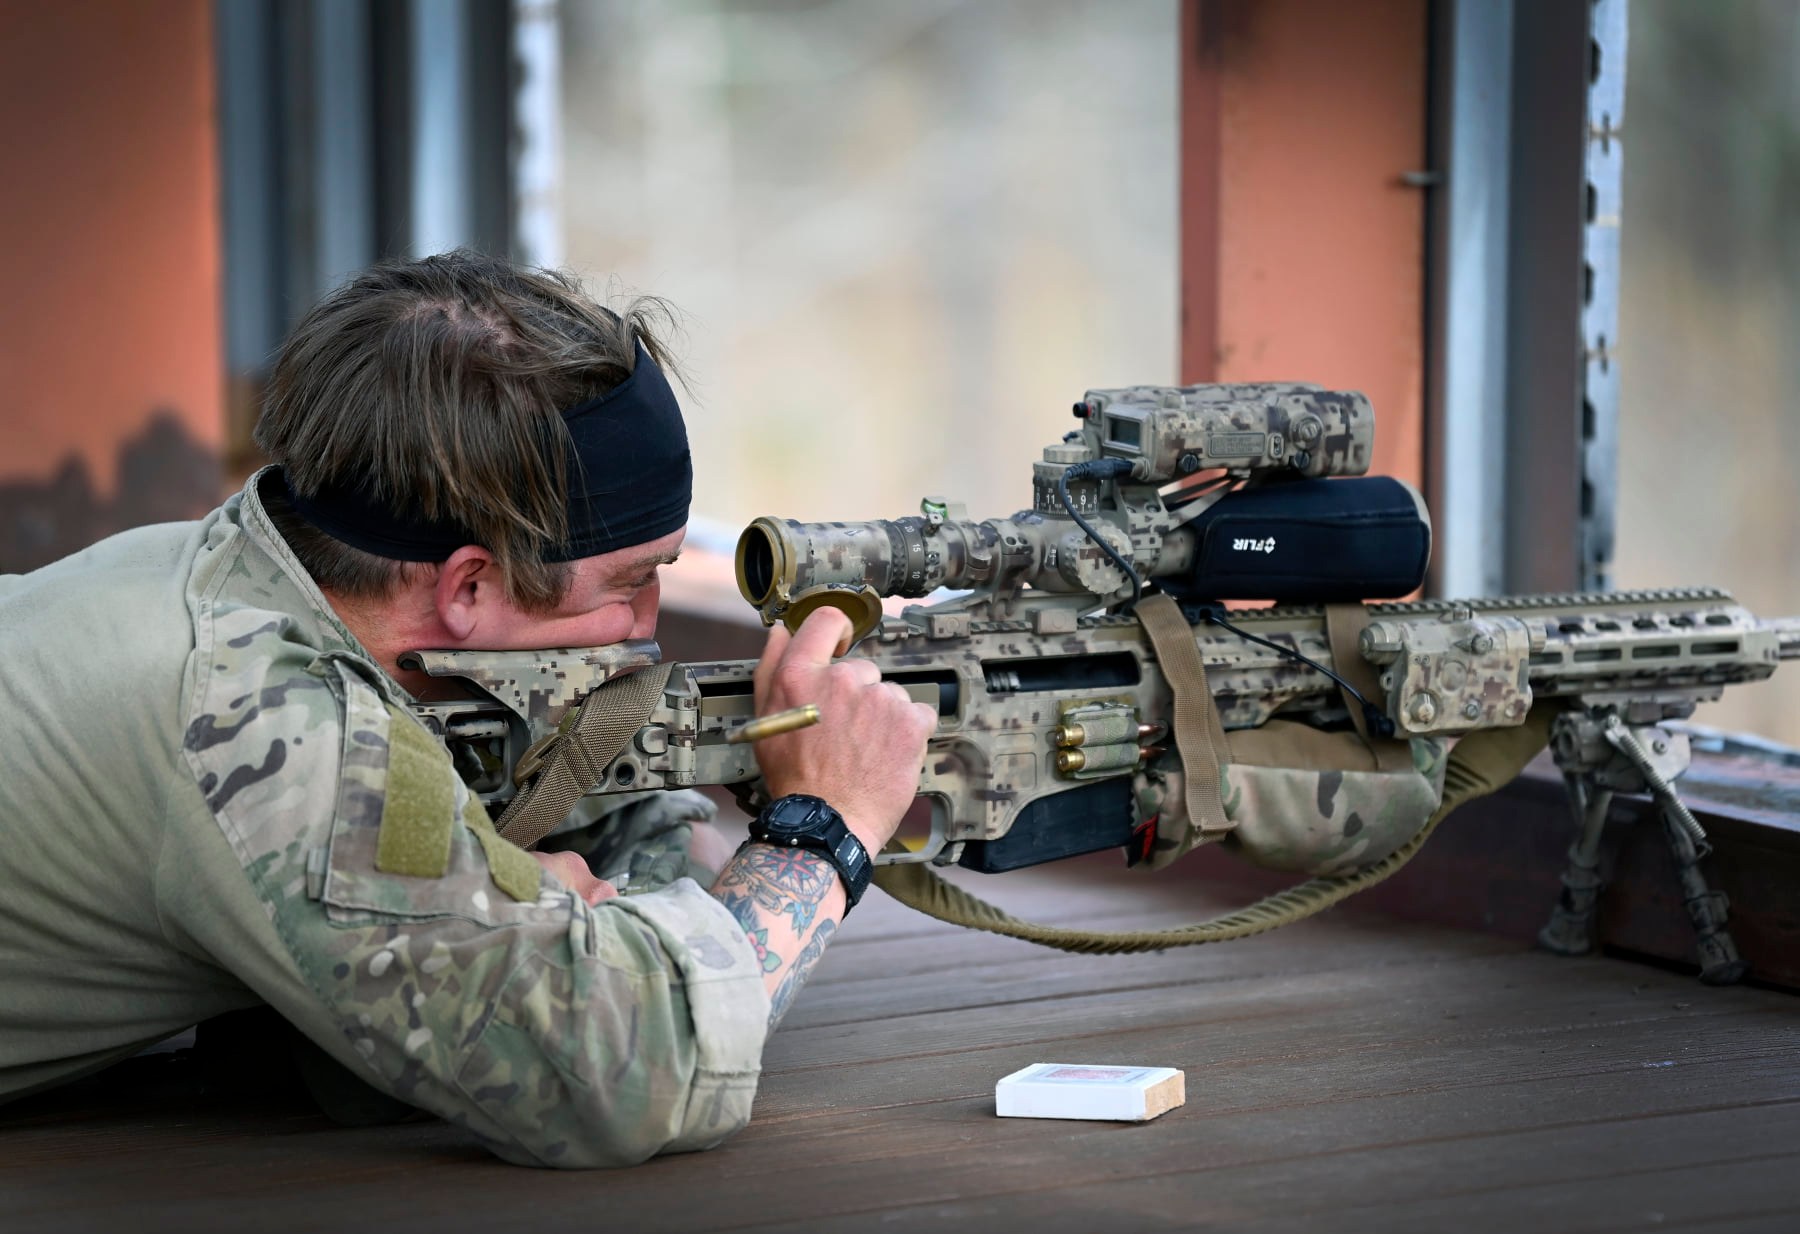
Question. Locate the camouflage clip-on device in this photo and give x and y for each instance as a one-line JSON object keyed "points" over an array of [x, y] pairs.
{"points": [[1058, 731]]}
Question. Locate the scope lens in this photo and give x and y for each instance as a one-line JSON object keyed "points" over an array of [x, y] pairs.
{"points": [[756, 564]]}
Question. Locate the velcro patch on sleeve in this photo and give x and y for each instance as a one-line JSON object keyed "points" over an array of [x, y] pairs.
{"points": [[418, 809], [514, 871]]}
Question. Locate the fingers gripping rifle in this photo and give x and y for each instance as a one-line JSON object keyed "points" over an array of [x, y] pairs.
{"points": [[1058, 729]]}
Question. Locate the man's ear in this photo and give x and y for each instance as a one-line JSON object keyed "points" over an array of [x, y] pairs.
{"points": [[468, 584]]}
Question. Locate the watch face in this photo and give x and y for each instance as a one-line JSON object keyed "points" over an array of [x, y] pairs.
{"points": [[795, 816]]}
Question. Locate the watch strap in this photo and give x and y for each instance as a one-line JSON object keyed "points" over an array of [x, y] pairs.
{"points": [[824, 832]]}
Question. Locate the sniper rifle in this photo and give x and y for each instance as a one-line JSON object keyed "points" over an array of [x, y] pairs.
{"points": [[1092, 683]]}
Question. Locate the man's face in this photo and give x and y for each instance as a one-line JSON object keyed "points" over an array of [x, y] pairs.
{"points": [[611, 598]]}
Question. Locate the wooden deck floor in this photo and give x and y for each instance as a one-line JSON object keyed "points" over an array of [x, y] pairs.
{"points": [[1350, 1073]]}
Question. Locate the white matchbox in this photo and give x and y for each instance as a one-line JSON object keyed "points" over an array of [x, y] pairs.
{"points": [[1090, 1090]]}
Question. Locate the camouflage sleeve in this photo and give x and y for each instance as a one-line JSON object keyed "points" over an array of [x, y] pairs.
{"points": [[636, 841], [437, 962]]}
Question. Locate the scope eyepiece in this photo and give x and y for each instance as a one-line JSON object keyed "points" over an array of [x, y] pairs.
{"points": [[757, 548]]}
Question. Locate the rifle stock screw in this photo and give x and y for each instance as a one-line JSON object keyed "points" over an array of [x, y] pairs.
{"points": [[1424, 708], [1379, 640], [1189, 463], [1472, 710]]}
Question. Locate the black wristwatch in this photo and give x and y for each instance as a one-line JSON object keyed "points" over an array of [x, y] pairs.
{"points": [[799, 821]]}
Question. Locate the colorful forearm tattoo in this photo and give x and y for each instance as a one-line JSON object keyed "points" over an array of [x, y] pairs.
{"points": [[786, 881], [790, 985]]}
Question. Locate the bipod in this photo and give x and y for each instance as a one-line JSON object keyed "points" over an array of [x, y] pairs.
{"points": [[1599, 755]]}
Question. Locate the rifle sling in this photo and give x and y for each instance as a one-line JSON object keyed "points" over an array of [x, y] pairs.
{"points": [[1479, 764], [1199, 735], [1344, 624], [577, 758]]}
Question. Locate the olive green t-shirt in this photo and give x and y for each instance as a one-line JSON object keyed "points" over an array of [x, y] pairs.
{"points": [[198, 759]]}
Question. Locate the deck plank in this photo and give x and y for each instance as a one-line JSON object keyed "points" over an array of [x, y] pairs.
{"points": [[1352, 1072]]}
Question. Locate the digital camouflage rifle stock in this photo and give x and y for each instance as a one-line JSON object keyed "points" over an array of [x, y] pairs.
{"points": [[1094, 691]]}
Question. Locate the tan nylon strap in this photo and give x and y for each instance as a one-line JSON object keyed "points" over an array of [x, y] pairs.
{"points": [[1344, 624], [606, 720], [1199, 735], [1480, 763]]}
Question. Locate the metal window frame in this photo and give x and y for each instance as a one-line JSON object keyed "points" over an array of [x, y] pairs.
{"points": [[1527, 110], [351, 131]]}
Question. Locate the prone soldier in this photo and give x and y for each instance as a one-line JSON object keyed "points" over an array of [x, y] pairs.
{"points": [[217, 794]]}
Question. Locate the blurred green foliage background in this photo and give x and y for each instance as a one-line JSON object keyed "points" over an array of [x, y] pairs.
{"points": [[1709, 332]]}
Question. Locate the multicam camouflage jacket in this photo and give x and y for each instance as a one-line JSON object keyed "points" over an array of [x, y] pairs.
{"points": [[213, 798]]}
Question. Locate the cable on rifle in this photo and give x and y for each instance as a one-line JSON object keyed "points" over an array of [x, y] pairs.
{"points": [[1105, 469], [1379, 724]]}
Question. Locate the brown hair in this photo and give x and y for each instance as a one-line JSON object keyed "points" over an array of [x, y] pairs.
{"points": [[437, 385]]}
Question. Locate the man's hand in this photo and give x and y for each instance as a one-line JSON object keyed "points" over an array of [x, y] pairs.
{"points": [[572, 872], [864, 755]]}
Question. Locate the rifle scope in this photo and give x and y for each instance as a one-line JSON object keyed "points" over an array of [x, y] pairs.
{"points": [[1301, 540], [1125, 477]]}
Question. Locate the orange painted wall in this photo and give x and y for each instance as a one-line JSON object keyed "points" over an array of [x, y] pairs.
{"points": [[1303, 249], [109, 229]]}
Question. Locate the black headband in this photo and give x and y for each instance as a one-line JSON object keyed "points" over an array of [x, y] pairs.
{"points": [[630, 481]]}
